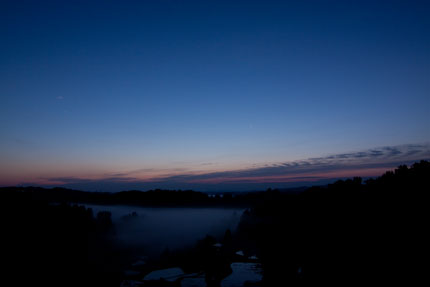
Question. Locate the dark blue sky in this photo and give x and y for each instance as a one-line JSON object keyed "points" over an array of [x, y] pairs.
{"points": [[148, 91]]}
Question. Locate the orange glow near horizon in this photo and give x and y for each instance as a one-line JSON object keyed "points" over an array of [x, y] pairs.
{"points": [[200, 174], [154, 177]]}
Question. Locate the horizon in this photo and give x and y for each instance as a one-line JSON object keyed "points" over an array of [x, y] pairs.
{"points": [[294, 189], [317, 171], [214, 96]]}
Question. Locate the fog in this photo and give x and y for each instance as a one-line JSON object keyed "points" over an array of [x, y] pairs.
{"points": [[155, 229]]}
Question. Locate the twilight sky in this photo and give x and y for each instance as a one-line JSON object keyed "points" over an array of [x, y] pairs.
{"points": [[211, 95]]}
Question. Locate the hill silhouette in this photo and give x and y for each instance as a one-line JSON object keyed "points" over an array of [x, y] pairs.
{"points": [[347, 232], [156, 197]]}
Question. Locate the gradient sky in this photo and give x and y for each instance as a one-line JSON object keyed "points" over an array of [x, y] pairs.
{"points": [[106, 95]]}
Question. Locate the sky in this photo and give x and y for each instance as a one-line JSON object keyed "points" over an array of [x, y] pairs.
{"points": [[211, 95]]}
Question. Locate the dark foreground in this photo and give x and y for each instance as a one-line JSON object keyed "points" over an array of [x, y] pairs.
{"points": [[348, 232]]}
